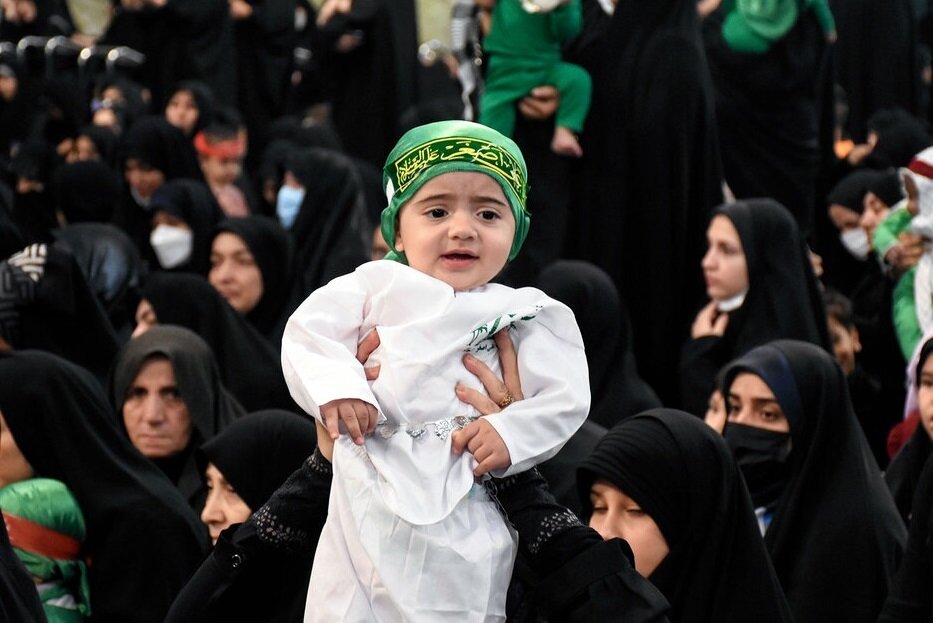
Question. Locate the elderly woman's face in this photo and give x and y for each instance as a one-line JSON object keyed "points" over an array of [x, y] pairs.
{"points": [[616, 515], [154, 413], [724, 266], [224, 506], [13, 465]]}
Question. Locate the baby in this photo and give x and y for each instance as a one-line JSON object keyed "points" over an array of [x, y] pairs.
{"points": [[523, 48], [410, 534]]}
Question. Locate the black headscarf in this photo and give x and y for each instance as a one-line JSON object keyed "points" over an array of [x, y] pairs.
{"points": [[784, 299], [683, 476], [618, 392], [652, 174], [110, 264], [34, 211], [194, 203], [105, 141], [52, 308], [210, 406], [331, 232], [271, 247], [900, 137], [203, 99], [851, 189], [156, 142], [250, 366], [259, 451], [835, 538], [86, 191], [63, 425]]}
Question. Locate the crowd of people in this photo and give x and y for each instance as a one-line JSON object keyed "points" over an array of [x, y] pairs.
{"points": [[620, 311]]}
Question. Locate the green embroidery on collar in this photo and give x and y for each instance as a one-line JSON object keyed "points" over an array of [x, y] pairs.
{"points": [[483, 153]]}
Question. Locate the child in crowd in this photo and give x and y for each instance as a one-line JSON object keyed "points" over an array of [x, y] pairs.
{"points": [[47, 531], [410, 533], [221, 150], [524, 51]]}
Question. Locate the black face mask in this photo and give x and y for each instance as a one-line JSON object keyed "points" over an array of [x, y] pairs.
{"points": [[762, 458]]}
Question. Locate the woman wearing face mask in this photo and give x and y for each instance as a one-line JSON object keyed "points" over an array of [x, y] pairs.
{"points": [[828, 521], [184, 215], [321, 203], [667, 484], [761, 286], [152, 152]]}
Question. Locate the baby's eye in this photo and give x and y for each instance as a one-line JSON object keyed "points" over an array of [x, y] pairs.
{"points": [[489, 215], [437, 213]]}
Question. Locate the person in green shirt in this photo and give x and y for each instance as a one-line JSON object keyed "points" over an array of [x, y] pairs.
{"points": [[524, 51]]}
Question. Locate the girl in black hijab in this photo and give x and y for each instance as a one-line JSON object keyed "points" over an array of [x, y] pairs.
{"points": [[271, 248], [197, 378], [618, 392], [781, 297], [142, 537], [679, 472], [190, 107], [250, 366], [96, 143], [832, 529]]}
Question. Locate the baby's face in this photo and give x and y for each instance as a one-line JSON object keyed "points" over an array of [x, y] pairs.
{"points": [[457, 228]]}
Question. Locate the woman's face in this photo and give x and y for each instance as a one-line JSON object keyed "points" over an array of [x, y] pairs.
{"points": [[875, 211], [724, 266], [223, 507], [13, 465], [155, 415], [716, 411], [234, 272], [142, 178], [617, 515], [182, 111], [145, 318], [752, 403], [925, 396]]}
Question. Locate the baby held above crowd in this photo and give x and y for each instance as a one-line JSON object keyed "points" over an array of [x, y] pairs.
{"points": [[407, 500]]}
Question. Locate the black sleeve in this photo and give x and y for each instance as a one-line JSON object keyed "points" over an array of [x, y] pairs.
{"points": [[910, 598], [583, 578], [259, 570]]}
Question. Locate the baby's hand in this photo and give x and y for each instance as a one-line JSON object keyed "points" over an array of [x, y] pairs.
{"points": [[482, 439], [358, 417]]}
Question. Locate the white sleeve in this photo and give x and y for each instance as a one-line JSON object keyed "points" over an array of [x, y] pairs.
{"points": [[319, 346], [556, 385]]}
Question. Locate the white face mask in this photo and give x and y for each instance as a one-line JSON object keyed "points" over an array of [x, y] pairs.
{"points": [[172, 245], [608, 6], [855, 241], [731, 304]]}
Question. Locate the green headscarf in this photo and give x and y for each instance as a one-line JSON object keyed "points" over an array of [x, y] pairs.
{"points": [[49, 504], [430, 150]]}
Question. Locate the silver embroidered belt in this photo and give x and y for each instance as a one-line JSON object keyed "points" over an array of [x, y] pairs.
{"points": [[417, 430]]}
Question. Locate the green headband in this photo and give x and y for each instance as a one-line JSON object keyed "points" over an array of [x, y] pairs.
{"points": [[430, 150]]}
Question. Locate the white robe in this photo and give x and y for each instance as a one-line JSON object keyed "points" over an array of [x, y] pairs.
{"points": [[409, 535]]}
